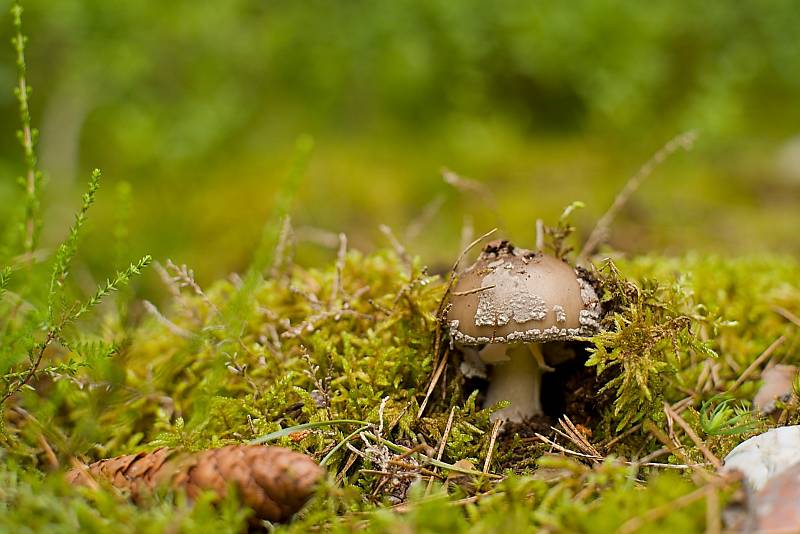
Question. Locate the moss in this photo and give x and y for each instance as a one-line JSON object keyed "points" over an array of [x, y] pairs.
{"points": [[356, 344]]}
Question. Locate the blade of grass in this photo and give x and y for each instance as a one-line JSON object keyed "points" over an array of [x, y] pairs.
{"points": [[282, 433], [342, 443]]}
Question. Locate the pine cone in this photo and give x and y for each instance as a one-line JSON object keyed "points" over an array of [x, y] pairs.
{"points": [[273, 481]]}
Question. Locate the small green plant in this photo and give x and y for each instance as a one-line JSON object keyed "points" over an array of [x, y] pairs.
{"points": [[558, 235], [719, 417], [647, 329], [36, 306]]}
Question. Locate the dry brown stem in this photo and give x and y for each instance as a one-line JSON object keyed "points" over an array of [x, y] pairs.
{"points": [[601, 229]]}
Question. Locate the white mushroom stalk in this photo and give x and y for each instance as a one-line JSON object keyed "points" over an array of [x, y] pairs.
{"points": [[506, 305], [519, 381]]}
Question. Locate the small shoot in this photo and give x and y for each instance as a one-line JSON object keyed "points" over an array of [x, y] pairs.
{"points": [[67, 249], [31, 182], [5, 278], [719, 417], [557, 236]]}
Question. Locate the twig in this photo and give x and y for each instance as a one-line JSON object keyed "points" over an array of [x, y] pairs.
{"points": [[677, 450], [713, 523], [396, 245], [309, 324], [172, 327], [348, 464], [652, 456], [397, 474], [575, 436], [416, 470], [421, 221], [757, 362], [693, 436], [424, 458], [786, 314], [539, 235], [184, 277], [602, 228], [433, 382], [284, 243], [474, 290], [566, 450], [381, 409], [171, 285], [476, 188], [48, 451], [644, 462], [490, 452], [341, 256], [52, 335], [442, 443], [405, 506], [467, 234]]}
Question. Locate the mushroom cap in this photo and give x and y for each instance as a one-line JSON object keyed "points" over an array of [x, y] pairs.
{"points": [[513, 295]]}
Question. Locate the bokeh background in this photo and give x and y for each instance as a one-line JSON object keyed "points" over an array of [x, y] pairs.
{"points": [[193, 109]]}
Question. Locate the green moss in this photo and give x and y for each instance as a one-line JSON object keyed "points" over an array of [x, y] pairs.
{"points": [[327, 344]]}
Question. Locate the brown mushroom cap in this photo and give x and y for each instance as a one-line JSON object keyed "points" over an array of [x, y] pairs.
{"points": [[512, 295]]}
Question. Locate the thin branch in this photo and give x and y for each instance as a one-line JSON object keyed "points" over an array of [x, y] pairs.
{"points": [[341, 257], [442, 444], [423, 220], [757, 362], [476, 188], [786, 314], [566, 450], [602, 228], [396, 244], [172, 327], [27, 138], [492, 440], [539, 235], [432, 385], [52, 335], [184, 277], [471, 291], [710, 456]]}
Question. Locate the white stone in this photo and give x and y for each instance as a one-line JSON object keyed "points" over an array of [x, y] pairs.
{"points": [[765, 456]]}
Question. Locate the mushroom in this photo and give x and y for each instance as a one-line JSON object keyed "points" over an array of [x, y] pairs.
{"points": [[507, 304]]}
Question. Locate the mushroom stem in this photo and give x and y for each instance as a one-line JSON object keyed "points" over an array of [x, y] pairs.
{"points": [[518, 380]]}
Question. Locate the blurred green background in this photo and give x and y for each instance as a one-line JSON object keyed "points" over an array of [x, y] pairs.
{"points": [[198, 105]]}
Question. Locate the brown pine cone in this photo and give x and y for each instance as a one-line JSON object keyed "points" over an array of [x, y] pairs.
{"points": [[273, 481]]}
